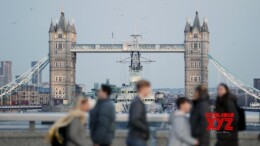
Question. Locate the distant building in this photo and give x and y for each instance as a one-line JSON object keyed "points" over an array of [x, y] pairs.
{"points": [[37, 78], [30, 95], [2, 80], [107, 81], [257, 83], [5, 72]]}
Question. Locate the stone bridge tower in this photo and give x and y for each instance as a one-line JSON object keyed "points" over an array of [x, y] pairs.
{"points": [[196, 43], [62, 62]]}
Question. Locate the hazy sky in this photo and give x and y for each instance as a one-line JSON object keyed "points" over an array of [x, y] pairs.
{"points": [[233, 25]]}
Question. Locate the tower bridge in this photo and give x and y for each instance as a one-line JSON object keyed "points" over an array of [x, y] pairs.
{"points": [[63, 49]]}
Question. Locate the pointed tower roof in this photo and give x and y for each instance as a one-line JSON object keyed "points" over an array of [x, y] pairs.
{"points": [[196, 22], [205, 26], [68, 28], [73, 29], [187, 26], [52, 28], [62, 22]]}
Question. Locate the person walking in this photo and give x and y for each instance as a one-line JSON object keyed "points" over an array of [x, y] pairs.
{"points": [[197, 117], [226, 103], [180, 132], [102, 118], [138, 134], [70, 130]]}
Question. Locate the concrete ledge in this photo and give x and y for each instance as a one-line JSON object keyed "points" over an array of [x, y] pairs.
{"points": [[245, 138], [25, 138]]}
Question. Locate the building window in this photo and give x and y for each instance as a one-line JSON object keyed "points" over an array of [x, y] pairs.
{"points": [[60, 45], [195, 35], [195, 45], [60, 78], [195, 79], [59, 36]]}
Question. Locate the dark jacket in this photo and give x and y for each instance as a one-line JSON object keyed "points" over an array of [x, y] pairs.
{"points": [[138, 125], [227, 104], [199, 122], [102, 122]]}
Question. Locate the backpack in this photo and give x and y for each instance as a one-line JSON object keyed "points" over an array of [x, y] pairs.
{"points": [[242, 118], [63, 133]]}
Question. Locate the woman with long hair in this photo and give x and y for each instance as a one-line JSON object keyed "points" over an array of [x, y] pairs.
{"points": [[226, 103], [70, 130], [198, 120]]}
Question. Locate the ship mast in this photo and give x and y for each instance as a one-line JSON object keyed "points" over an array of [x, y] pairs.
{"points": [[135, 68]]}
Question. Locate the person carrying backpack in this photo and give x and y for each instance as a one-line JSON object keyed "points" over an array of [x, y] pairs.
{"points": [[226, 103], [70, 130]]}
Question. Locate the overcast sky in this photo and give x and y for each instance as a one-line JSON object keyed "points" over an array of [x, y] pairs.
{"points": [[233, 25]]}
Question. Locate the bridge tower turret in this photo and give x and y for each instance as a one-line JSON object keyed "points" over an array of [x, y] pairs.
{"points": [[196, 44], [62, 36]]}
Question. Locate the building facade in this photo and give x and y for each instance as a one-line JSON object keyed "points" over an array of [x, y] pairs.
{"points": [[5, 72], [30, 95], [196, 44], [37, 77], [62, 62], [257, 83]]}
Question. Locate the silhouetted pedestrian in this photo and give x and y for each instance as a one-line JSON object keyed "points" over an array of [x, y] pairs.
{"points": [[70, 130], [197, 118], [226, 103], [138, 125], [180, 132], [102, 118]]}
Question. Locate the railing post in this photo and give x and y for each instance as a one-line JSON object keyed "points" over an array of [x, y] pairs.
{"points": [[31, 126]]}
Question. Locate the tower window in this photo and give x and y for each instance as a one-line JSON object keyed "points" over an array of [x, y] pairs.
{"points": [[60, 45], [195, 45], [195, 35], [60, 36]]}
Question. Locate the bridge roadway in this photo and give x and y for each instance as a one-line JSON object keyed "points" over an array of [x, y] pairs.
{"points": [[36, 137], [125, 48]]}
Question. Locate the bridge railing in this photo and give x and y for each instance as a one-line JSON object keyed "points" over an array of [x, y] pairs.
{"points": [[32, 118]]}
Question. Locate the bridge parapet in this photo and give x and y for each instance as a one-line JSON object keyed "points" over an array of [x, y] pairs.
{"points": [[32, 118]]}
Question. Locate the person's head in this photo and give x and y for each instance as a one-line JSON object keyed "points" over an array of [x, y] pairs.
{"points": [[201, 92], [104, 92], [183, 104], [143, 88], [222, 90], [83, 104]]}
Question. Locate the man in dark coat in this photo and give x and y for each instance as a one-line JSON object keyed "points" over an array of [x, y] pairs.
{"points": [[102, 119], [138, 125], [198, 120]]}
